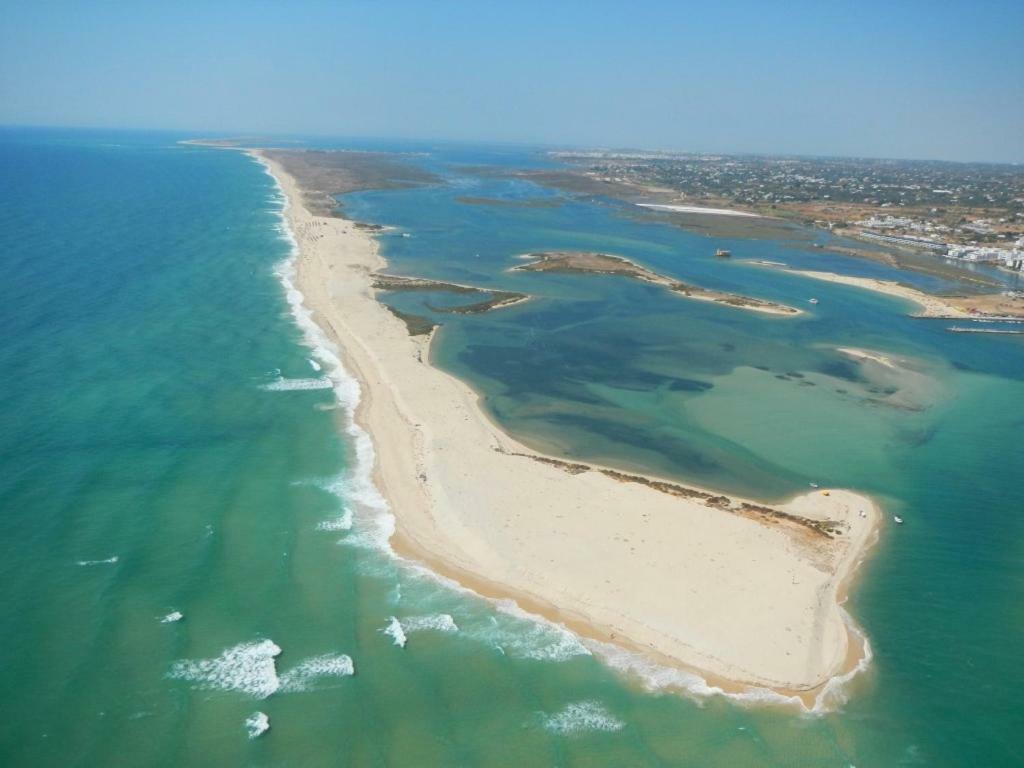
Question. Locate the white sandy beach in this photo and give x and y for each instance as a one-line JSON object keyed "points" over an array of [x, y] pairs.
{"points": [[746, 601], [699, 209], [930, 306]]}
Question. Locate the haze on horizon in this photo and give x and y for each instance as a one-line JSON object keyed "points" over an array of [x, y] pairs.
{"points": [[903, 80]]}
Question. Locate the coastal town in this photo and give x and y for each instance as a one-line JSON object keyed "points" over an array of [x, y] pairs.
{"points": [[971, 212]]}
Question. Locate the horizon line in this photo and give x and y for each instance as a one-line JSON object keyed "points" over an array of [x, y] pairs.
{"points": [[501, 143]]}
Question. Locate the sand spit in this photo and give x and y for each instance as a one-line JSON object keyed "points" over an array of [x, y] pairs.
{"points": [[698, 209], [748, 597], [606, 264], [978, 307]]}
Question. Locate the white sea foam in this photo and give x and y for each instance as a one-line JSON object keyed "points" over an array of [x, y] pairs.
{"points": [[524, 635], [172, 617], [108, 561], [437, 622], [833, 693], [337, 487], [582, 716], [395, 632], [292, 385], [518, 633], [657, 677], [251, 668], [342, 522], [248, 667], [257, 724], [373, 520], [303, 676]]}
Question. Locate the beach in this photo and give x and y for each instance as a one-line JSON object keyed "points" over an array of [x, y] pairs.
{"points": [[992, 306], [746, 593], [698, 209]]}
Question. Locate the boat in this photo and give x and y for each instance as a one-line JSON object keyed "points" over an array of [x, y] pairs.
{"points": [[723, 254], [898, 519], [813, 301], [813, 485]]}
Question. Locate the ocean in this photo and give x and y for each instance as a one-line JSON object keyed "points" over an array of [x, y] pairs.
{"points": [[193, 551]]}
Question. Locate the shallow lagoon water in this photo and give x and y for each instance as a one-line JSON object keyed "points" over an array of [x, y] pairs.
{"points": [[144, 317]]}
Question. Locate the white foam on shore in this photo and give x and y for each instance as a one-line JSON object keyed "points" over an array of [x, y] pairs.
{"points": [[373, 521], [305, 675], [257, 724], [582, 716], [172, 617], [395, 632], [834, 693], [248, 668], [524, 635], [108, 561], [336, 486], [658, 677]]}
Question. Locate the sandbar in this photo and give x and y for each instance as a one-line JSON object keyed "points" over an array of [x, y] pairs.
{"points": [[977, 307], [699, 209], [587, 262], [746, 593]]}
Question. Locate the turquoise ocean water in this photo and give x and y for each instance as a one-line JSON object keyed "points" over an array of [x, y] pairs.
{"points": [[174, 439]]}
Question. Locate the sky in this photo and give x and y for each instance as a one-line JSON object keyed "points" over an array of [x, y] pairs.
{"points": [[904, 79]]}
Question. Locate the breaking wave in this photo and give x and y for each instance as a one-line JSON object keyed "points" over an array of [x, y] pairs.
{"points": [[248, 668], [251, 668], [371, 518], [395, 632], [582, 716], [292, 385], [257, 724], [108, 561], [399, 631], [523, 635], [658, 677], [302, 677], [438, 622]]}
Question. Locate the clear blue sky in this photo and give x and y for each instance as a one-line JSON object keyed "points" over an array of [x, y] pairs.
{"points": [[891, 79]]}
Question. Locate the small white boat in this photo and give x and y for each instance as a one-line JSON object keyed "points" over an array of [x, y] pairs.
{"points": [[813, 485], [898, 519], [813, 301]]}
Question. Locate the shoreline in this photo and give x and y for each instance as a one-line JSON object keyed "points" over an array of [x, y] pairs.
{"points": [[475, 549]]}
